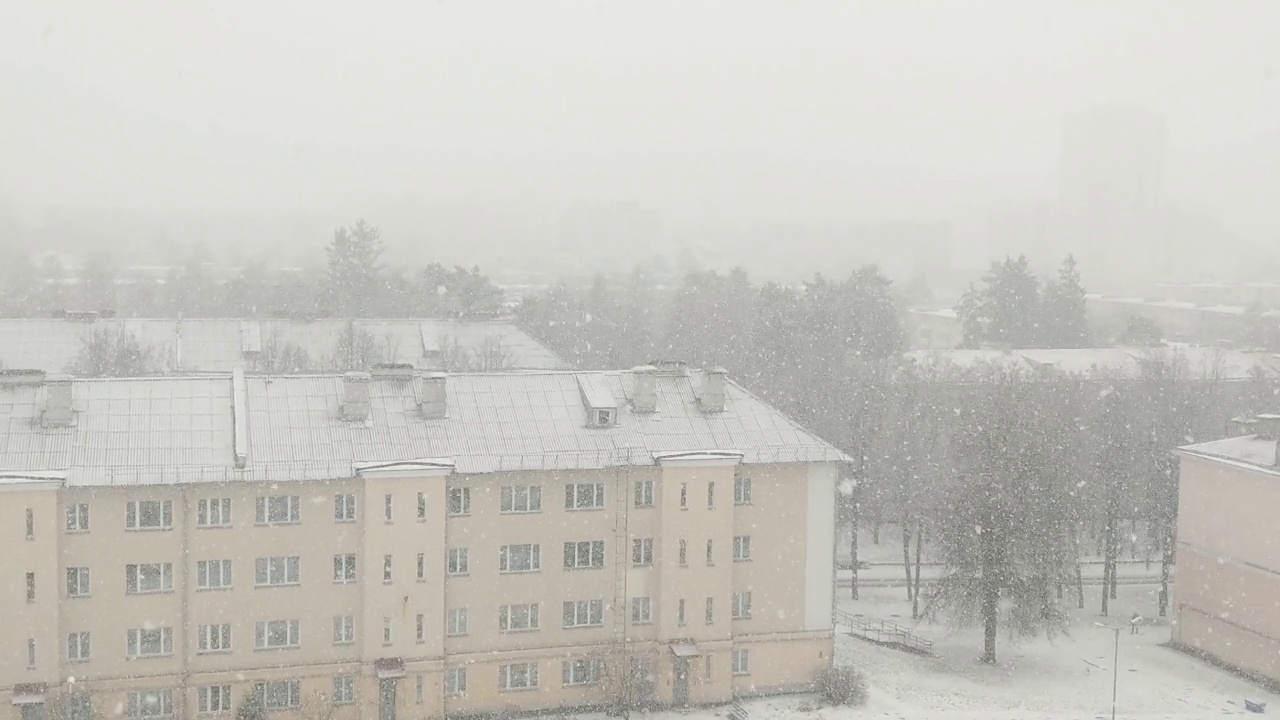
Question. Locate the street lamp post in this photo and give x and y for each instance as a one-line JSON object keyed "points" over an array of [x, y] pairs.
{"points": [[1115, 665]]}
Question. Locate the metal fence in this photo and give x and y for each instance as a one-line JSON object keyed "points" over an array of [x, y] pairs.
{"points": [[884, 633]]}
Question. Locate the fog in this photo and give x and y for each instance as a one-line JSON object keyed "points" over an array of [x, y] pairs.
{"points": [[480, 131]]}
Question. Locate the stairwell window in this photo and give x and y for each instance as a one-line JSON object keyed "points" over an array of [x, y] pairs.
{"points": [[422, 567], [344, 507], [31, 587], [31, 524], [583, 613], [78, 517], [518, 618], [642, 552], [519, 558], [711, 552], [460, 501], [148, 515], [276, 571], [279, 510], [213, 512], [388, 508], [583, 671], [584, 555], [741, 662], [641, 611], [520, 499], [422, 506], [684, 496], [711, 611], [643, 494], [148, 578], [741, 490], [742, 605], [741, 548], [386, 568], [711, 495], [684, 553], [518, 676], [420, 628], [680, 617], [386, 630], [584, 496]]}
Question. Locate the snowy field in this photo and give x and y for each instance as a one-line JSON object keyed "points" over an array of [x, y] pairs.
{"points": [[1068, 678]]}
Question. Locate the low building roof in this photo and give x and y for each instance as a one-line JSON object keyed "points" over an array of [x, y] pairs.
{"points": [[1246, 450]]}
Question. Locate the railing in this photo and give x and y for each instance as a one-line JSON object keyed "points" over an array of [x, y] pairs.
{"points": [[736, 712], [884, 632]]}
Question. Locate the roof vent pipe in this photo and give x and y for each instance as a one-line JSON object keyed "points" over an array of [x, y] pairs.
{"points": [[57, 401], [712, 399], [435, 404], [644, 394], [355, 396]]}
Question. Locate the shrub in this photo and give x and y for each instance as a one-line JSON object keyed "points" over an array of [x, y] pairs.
{"points": [[842, 686]]}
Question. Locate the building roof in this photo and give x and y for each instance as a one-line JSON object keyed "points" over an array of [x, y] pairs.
{"points": [[178, 430], [218, 345], [1200, 362], [1247, 450]]}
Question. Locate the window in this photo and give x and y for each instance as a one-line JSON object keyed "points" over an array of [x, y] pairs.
{"points": [[214, 638], [684, 496], [148, 578], [602, 417], [279, 694], [386, 568], [519, 558], [269, 634], [711, 611], [706, 668], [741, 490], [741, 662], [213, 512], [513, 618], [684, 553], [150, 704], [148, 515], [78, 646], [518, 676], [278, 570], [344, 630], [711, 554], [31, 652], [78, 517], [150, 642], [419, 689], [420, 634], [641, 611], [711, 495], [455, 681], [422, 506], [31, 523], [386, 630], [644, 493], [279, 510], [344, 689], [521, 499], [584, 496], [585, 554], [642, 552], [77, 582], [215, 699], [387, 508], [585, 671], [583, 613], [741, 548], [742, 605], [457, 561], [31, 587], [460, 501], [680, 612], [457, 624], [344, 508], [213, 574], [422, 567], [344, 568]]}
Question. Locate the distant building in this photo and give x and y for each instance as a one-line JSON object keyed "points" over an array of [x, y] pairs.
{"points": [[1235, 326], [407, 545], [934, 329], [1228, 554]]}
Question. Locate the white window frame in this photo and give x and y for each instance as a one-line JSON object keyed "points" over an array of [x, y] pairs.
{"points": [[520, 617], [681, 617], [583, 496], [641, 610], [711, 495], [78, 517], [582, 614], [710, 615], [264, 629], [138, 638], [271, 693], [508, 555], [213, 512], [277, 571], [742, 662], [422, 506], [388, 567], [213, 638], [344, 569], [79, 646], [388, 508], [213, 574], [518, 676], [420, 628], [344, 507], [214, 699], [274, 510], [422, 567], [344, 629], [145, 704], [641, 552], [683, 557], [455, 681], [711, 552], [584, 555], [457, 624], [344, 689], [135, 573], [742, 605], [643, 495], [684, 496], [136, 509], [741, 548], [580, 672], [520, 499], [79, 582], [459, 501], [741, 490], [459, 561]]}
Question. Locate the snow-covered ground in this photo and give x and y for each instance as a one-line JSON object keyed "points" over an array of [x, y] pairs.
{"points": [[1067, 678]]}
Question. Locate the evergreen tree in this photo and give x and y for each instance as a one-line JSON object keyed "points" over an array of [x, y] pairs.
{"points": [[1005, 310], [1063, 318], [354, 271], [114, 353]]}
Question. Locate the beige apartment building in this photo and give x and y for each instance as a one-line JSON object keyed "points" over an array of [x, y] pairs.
{"points": [[1228, 554], [397, 544]]}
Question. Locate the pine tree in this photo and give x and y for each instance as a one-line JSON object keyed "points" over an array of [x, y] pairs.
{"points": [[354, 272], [1063, 317], [1003, 312]]}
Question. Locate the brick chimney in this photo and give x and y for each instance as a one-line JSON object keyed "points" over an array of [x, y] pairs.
{"points": [[435, 397], [355, 396], [644, 394], [57, 401], [712, 398]]}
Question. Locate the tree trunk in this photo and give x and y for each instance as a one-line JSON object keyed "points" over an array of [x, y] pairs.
{"points": [[1166, 564], [1115, 559], [915, 595], [1079, 585], [853, 550], [1108, 559], [990, 595], [1106, 583], [875, 528], [906, 554]]}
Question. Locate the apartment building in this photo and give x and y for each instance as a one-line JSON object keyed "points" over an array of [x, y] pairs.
{"points": [[398, 544], [1228, 553]]}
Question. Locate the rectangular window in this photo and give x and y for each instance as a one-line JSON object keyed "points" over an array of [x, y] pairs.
{"points": [[422, 567], [386, 630], [455, 681], [148, 515], [711, 553], [741, 662], [344, 508], [213, 512], [583, 613], [214, 638], [270, 634], [457, 561], [148, 578], [31, 652], [31, 523], [584, 671], [684, 553], [741, 548], [78, 647], [742, 605], [215, 699], [641, 611], [278, 570], [279, 694], [684, 496], [344, 630], [77, 582], [711, 495], [422, 506], [584, 496], [741, 490], [518, 676], [706, 668], [521, 499], [519, 558], [514, 618], [386, 568], [711, 611], [387, 508], [644, 494], [420, 632], [78, 517], [419, 689], [457, 624], [344, 568], [213, 574], [150, 704], [460, 501], [31, 587], [584, 555], [279, 510], [344, 689], [680, 612], [642, 552], [152, 642]]}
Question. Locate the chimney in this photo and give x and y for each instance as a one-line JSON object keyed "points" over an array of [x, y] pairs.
{"points": [[644, 394], [57, 401], [434, 405], [355, 396], [1267, 426], [392, 371], [712, 399]]}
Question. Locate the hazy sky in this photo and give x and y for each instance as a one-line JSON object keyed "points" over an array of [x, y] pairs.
{"points": [[734, 111]]}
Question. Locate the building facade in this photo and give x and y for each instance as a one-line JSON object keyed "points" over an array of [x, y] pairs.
{"points": [[1228, 556], [408, 546]]}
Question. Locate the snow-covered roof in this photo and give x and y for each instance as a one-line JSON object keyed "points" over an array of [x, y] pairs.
{"points": [[1246, 449], [1199, 362]]}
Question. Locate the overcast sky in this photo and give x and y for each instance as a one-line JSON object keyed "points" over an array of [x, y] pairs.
{"points": [[742, 110]]}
